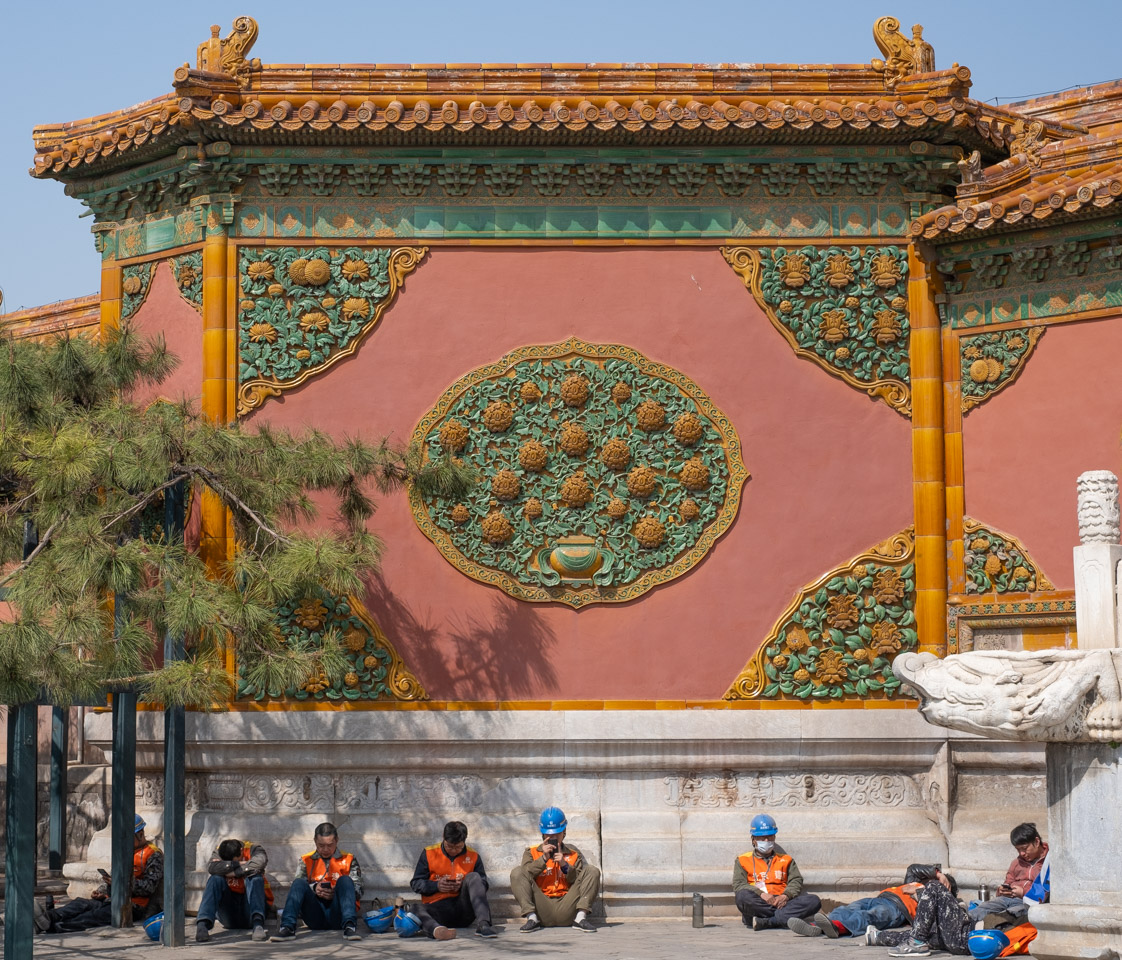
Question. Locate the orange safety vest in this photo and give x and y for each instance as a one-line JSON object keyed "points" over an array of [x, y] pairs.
{"points": [[1020, 937], [773, 872], [237, 884], [440, 866], [140, 860], [907, 899], [317, 869], [551, 880]]}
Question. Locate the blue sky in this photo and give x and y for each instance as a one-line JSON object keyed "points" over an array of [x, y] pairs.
{"points": [[67, 60]]}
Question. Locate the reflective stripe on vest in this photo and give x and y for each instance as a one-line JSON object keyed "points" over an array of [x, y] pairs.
{"points": [[907, 899], [772, 872], [237, 884], [317, 869], [441, 867], [551, 881], [140, 860]]}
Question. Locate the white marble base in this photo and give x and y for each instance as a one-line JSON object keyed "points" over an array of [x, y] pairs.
{"points": [[661, 800], [1096, 584]]}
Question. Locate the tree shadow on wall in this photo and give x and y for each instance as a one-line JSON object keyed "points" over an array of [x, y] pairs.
{"points": [[503, 656]]}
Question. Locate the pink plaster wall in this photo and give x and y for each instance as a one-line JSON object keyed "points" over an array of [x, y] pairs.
{"points": [[831, 470], [1024, 449], [165, 312]]}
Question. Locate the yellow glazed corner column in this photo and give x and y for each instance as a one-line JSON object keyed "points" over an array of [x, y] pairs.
{"points": [[110, 297], [214, 544], [953, 471], [928, 489]]}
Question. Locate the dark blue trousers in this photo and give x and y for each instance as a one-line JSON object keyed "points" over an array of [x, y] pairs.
{"points": [[303, 904], [237, 911]]}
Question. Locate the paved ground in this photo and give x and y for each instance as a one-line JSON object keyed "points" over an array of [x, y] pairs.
{"points": [[617, 940]]}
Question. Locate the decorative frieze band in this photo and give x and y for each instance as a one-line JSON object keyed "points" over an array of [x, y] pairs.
{"points": [[736, 790]]}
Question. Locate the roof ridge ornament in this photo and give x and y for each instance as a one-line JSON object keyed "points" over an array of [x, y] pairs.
{"points": [[904, 57], [227, 55]]}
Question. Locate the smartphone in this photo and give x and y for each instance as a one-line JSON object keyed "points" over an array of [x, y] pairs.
{"points": [[105, 876]]}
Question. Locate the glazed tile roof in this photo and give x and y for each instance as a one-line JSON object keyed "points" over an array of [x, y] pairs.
{"points": [[1059, 181], [80, 315], [534, 104]]}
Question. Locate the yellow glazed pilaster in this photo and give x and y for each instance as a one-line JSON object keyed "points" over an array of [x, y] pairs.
{"points": [[928, 485], [953, 470], [110, 296]]}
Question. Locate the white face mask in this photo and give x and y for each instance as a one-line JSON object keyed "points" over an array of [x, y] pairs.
{"points": [[765, 846]]}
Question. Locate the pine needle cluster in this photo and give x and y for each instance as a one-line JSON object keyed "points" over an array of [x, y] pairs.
{"points": [[86, 469]]}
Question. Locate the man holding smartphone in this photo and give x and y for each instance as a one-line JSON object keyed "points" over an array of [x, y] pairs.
{"points": [[452, 885], [1031, 851], [326, 890], [554, 885]]}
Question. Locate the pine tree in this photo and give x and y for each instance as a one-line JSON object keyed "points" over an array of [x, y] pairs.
{"points": [[87, 468]]}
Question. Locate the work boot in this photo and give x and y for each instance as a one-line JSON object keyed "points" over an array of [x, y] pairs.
{"points": [[803, 929], [826, 925], [259, 931], [443, 933], [202, 932], [767, 923]]}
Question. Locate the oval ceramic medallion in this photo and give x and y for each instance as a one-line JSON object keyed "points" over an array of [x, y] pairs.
{"points": [[602, 473]]}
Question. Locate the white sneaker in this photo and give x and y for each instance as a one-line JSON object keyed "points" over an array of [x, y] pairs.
{"points": [[871, 936]]}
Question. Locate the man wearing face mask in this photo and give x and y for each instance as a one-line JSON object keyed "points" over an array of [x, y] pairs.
{"points": [[767, 884]]}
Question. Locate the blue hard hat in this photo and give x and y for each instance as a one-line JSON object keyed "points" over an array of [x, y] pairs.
{"points": [[552, 821], [138, 824], [763, 826], [986, 944], [153, 925], [380, 921], [407, 924]]}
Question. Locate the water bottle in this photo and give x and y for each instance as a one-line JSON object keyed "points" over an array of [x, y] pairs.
{"points": [[983, 892], [698, 910]]}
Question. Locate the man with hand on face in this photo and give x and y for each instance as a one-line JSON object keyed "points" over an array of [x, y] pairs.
{"points": [[554, 885], [767, 884], [326, 890], [452, 884]]}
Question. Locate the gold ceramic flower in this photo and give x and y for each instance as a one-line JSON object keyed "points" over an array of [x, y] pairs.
{"points": [[186, 276], [354, 639], [576, 491], [886, 639], [617, 508], [356, 308], [351, 679], [453, 436], [834, 327], [621, 392], [794, 270], [460, 514], [370, 662], [316, 272], [248, 305], [690, 510], [276, 289], [992, 565], [786, 306], [574, 439], [131, 284], [831, 668], [303, 354], [505, 485], [496, 528], [899, 303], [860, 570], [885, 271], [649, 532], [532, 456], [979, 370], [852, 302], [263, 333], [780, 661], [311, 614], [979, 544], [1016, 342], [650, 415], [841, 611], [695, 474], [802, 675], [261, 270], [886, 327], [296, 271], [315, 320], [838, 270], [641, 481], [615, 454], [797, 639], [317, 682], [861, 654], [888, 588], [688, 429], [529, 392], [574, 390], [498, 416], [842, 353], [1020, 573], [533, 509], [356, 269]]}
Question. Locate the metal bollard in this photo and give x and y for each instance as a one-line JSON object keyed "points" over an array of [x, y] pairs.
{"points": [[698, 910]]}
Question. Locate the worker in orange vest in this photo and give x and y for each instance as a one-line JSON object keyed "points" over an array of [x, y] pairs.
{"points": [[326, 890], [892, 907], [940, 923], [146, 891], [767, 883], [554, 885], [452, 885], [236, 891]]}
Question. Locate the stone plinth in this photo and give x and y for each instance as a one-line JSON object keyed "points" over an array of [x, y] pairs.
{"points": [[660, 799], [1084, 915]]}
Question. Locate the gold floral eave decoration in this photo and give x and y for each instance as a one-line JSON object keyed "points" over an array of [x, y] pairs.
{"points": [[254, 391], [840, 634]]}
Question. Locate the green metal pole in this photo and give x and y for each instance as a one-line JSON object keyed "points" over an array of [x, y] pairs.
{"points": [[123, 803], [60, 749], [19, 857], [173, 933]]}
